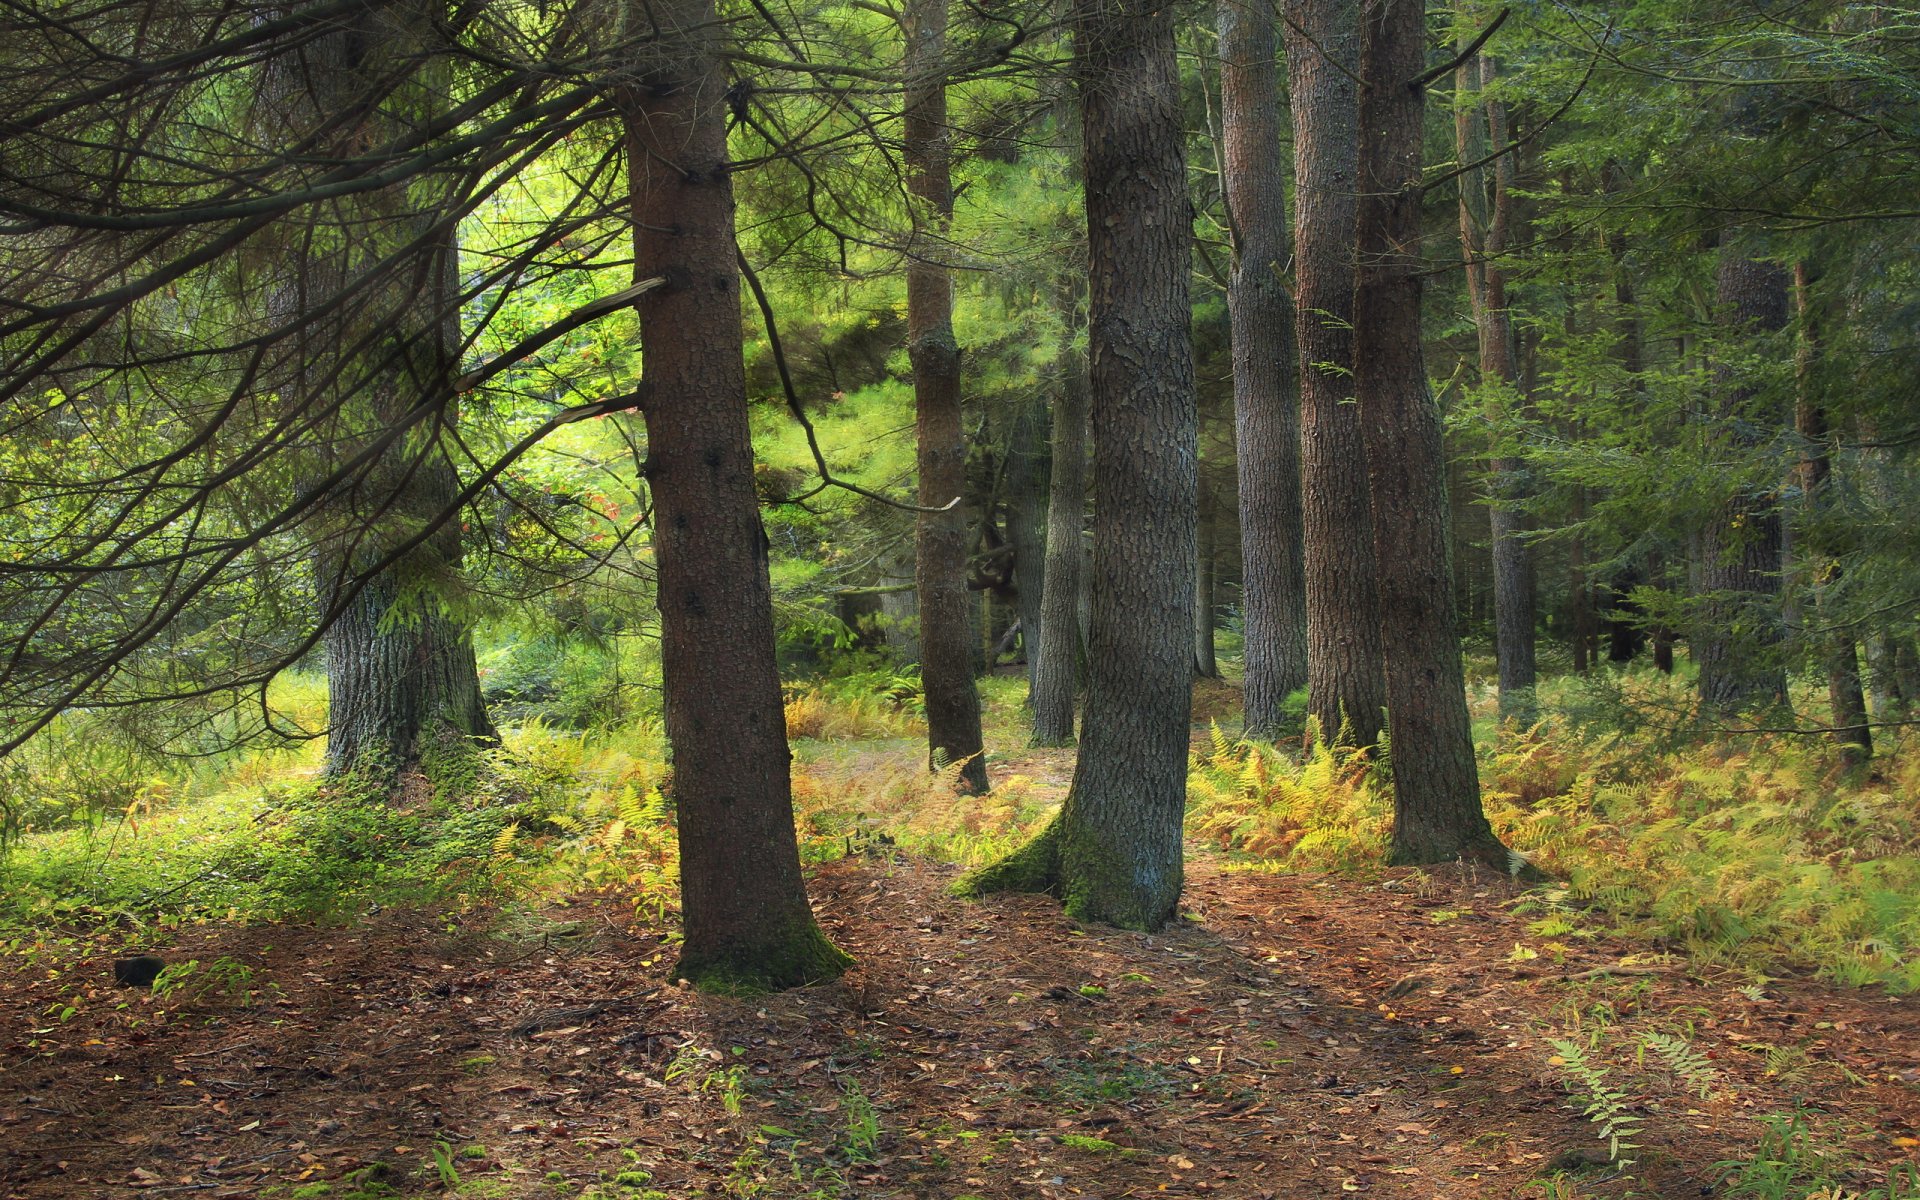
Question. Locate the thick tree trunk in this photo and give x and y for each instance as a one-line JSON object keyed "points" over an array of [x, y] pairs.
{"points": [[1838, 653], [1206, 663], [1056, 675], [1265, 404], [1486, 216], [1114, 852], [747, 923], [1740, 545], [1437, 812], [940, 557], [401, 678], [1346, 680], [1027, 524]]}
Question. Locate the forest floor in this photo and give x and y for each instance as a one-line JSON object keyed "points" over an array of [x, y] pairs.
{"points": [[1292, 1036]]}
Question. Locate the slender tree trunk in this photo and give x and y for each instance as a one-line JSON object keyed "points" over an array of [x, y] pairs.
{"points": [[1346, 681], [1027, 524], [747, 923], [1266, 406], [1437, 812], [1055, 680], [940, 571], [1206, 664], [1839, 655], [1486, 216], [1882, 690], [1580, 590], [1114, 852], [1740, 546]]}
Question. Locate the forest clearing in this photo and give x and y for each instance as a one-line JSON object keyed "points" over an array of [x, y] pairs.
{"points": [[639, 599]]}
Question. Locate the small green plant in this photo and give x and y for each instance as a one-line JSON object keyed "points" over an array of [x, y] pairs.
{"points": [[1089, 1145], [1602, 1103], [860, 1133], [223, 977], [1685, 1060], [443, 1163], [691, 1064]]}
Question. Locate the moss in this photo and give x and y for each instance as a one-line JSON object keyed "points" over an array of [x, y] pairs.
{"points": [[452, 762], [1103, 884], [768, 964], [1034, 867]]}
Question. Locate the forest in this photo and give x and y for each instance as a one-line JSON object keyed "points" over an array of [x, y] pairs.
{"points": [[959, 599]]}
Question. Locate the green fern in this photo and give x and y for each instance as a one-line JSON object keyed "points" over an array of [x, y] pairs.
{"points": [[1602, 1104], [1685, 1060]]}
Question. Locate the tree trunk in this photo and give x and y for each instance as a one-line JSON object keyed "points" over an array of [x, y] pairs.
{"points": [[940, 556], [1265, 404], [1740, 545], [1206, 664], [1486, 216], [1584, 622], [1436, 789], [1346, 681], [401, 678], [1114, 852], [1056, 674], [1027, 523], [1845, 698], [1883, 691], [748, 926]]}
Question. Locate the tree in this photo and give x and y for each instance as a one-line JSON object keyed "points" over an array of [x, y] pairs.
{"points": [[940, 538], [402, 682], [1838, 653], [748, 926], [1737, 640], [1265, 402], [1346, 681], [1056, 674], [1114, 851], [1436, 787], [1486, 221]]}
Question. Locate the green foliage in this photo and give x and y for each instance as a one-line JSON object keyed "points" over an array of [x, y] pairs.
{"points": [[1687, 1061], [1606, 1106], [860, 1129], [1795, 1162], [1325, 810], [1756, 853]]}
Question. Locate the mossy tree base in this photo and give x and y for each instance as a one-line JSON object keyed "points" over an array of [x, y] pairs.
{"points": [[803, 957], [1097, 878]]}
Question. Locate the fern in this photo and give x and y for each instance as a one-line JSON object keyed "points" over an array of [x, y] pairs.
{"points": [[503, 841], [1685, 1060], [1602, 1104], [631, 808]]}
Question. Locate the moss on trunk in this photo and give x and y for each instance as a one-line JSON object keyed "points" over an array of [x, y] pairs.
{"points": [[1034, 867], [800, 956]]}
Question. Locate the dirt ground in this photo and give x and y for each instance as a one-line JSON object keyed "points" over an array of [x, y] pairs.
{"points": [[1294, 1037]]}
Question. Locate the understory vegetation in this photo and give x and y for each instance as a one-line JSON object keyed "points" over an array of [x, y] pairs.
{"points": [[1767, 854]]}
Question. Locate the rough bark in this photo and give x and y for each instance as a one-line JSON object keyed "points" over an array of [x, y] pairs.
{"points": [[1839, 655], [401, 677], [1266, 404], [940, 538], [1738, 640], [1027, 524], [1056, 674], [1486, 217], [1346, 679], [1114, 852], [1437, 811], [747, 924]]}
